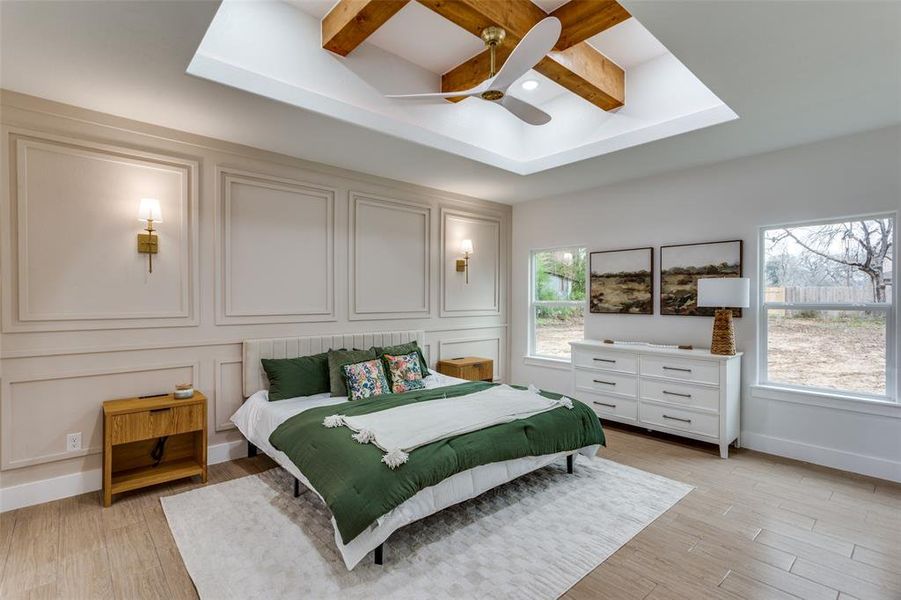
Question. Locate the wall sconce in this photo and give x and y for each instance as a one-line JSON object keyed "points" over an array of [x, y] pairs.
{"points": [[463, 263], [148, 243]]}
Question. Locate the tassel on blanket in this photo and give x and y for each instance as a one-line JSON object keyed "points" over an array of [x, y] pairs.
{"points": [[395, 458], [333, 421], [567, 402], [364, 436]]}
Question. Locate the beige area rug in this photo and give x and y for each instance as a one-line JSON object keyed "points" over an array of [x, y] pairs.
{"points": [[534, 537]]}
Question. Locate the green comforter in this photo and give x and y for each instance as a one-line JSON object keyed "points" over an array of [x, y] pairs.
{"points": [[358, 488]]}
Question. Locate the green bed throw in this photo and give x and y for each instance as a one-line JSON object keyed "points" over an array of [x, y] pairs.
{"points": [[358, 488]]}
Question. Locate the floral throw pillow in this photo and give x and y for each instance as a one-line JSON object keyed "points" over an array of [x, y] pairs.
{"points": [[366, 379], [405, 372]]}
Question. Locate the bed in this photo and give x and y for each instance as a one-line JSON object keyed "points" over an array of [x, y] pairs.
{"points": [[258, 419]]}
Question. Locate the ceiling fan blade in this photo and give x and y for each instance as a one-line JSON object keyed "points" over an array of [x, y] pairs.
{"points": [[528, 52], [525, 111], [470, 92]]}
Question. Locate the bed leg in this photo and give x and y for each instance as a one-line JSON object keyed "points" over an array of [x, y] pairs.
{"points": [[296, 487], [570, 460], [378, 554], [251, 450]]}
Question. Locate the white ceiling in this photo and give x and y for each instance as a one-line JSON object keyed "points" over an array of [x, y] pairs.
{"points": [[796, 72], [274, 50]]}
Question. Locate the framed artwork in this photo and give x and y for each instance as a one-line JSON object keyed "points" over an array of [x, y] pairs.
{"points": [[682, 265], [622, 281]]}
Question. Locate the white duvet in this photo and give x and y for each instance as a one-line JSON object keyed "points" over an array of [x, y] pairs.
{"points": [[257, 418]]}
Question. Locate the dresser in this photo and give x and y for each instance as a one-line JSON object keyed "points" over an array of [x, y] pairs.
{"points": [[691, 393]]}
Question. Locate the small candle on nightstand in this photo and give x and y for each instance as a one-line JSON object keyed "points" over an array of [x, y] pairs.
{"points": [[183, 391]]}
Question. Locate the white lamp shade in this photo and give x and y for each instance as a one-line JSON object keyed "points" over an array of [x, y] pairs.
{"points": [[149, 210], [727, 292], [466, 246]]}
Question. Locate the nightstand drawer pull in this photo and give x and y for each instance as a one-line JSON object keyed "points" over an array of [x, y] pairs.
{"points": [[604, 404], [603, 382], [665, 368], [606, 360], [677, 419], [160, 410], [676, 394]]}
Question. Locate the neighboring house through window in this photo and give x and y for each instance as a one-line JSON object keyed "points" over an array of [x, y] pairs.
{"points": [[557, 301]]}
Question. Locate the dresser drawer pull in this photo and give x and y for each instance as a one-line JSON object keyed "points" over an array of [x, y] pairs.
{"points": [[606, 360], [603, 382], [677, 394], [604, 404], [159, 410], [676, 369], [676, 419]]}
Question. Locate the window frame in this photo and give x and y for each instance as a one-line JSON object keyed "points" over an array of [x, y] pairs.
{"points": [[889, 309], [531, 354]]}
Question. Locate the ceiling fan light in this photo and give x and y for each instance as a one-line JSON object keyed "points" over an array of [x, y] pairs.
{"points": [[529, 85]]}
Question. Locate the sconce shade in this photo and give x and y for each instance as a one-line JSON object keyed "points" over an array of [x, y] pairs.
{"points": [[149, 210], [729, 292], [466, 246]]}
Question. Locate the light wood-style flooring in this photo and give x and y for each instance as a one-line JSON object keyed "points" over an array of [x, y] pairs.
{"points": [[756, 526]]}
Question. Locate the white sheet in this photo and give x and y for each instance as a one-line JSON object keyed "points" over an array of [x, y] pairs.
{"points": [[257, 418]]}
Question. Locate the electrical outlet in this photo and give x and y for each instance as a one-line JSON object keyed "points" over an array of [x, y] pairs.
{"points": [[73, 442]]}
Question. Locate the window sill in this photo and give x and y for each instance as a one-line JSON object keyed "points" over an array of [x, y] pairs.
{"points": [[837, 401], [547, 363]]}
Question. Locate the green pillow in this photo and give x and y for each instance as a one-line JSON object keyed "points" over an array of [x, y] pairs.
{"points": [[402, 349], [339, 358], [293, 377]]}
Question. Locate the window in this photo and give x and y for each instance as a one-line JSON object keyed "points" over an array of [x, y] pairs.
{"points": [[557, 301], [827, 307]]}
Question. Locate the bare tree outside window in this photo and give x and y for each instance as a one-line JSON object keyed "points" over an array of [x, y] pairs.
{"points": [[827, 303]]}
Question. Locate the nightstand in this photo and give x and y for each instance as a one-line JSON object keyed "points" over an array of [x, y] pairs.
{"points": [[132, 429], [468, 367]]}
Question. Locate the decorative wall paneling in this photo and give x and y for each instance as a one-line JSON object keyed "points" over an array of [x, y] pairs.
{"points": [[276, 250], [482, 295], [74, 355], [390, 258], [74, 204]]}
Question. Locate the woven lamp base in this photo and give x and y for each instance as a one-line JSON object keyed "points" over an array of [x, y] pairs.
{"points": [[723, 341]]}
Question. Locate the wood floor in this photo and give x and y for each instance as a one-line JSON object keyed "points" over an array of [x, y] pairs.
{"points": [[756, 526]]}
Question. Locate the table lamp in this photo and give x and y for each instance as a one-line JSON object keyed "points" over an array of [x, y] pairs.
{"points": [[724, 294]]}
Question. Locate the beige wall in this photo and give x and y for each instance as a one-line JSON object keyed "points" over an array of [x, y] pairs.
{"points": [[252, 244]]}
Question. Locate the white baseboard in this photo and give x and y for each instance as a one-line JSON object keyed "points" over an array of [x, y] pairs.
{"points": [[56, 488], [826, 457]]}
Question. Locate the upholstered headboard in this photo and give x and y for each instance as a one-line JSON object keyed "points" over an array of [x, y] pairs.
{"points": [[292, 347]]}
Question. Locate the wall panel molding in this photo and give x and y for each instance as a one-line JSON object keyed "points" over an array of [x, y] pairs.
{"points": [[390, 270], [9, 423], [108, 295], [303, 261], [222, 407], [482, 297]]}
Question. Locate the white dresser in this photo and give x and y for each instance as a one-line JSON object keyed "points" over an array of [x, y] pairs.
{"points": [[691, 393]]}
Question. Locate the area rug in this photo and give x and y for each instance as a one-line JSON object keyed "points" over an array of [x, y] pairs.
{"points": [[534, 537]]}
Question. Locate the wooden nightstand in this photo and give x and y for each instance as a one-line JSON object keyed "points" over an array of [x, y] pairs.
{"points": [[131, 428], [468, 367]]}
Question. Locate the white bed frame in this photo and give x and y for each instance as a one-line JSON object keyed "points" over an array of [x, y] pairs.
{"points": [[453, 490]]}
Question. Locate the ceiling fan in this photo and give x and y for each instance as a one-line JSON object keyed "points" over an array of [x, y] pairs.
{"points": [[531, 49]]}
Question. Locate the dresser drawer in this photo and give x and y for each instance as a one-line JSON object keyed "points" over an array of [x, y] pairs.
{"points": [[605, 359], [681, 394], [700, 371], [656, 415], [136, 426], [611, 406], [607, 383]]}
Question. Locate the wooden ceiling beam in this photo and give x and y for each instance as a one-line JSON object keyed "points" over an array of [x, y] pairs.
{"points": [[350, 22], [582, 19], [579, 68]]}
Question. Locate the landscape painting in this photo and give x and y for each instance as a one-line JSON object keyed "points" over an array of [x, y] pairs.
{"points": [[622, 282], [681, 266]]}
